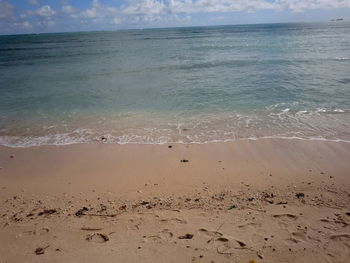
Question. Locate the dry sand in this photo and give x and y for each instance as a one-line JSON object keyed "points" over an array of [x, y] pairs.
{"points": [[267, 200]]}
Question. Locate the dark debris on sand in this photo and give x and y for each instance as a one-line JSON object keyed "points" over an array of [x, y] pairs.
{"points": [[40, 250], [47, 212], [82, 211], [186, 236]]}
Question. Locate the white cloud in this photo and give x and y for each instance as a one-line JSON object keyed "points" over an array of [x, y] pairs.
{"points": [[6, 10], [117, 21], [145, 7], [68, 9], [150, 10], [33, 2], [143, 13], [45, 11], [50, 23], [154, 11], [302, 5], [40, 18], [26, 25], [99, 10], [189, 6]]}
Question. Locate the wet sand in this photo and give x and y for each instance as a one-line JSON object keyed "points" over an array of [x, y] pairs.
{"points": [[269, 200]]}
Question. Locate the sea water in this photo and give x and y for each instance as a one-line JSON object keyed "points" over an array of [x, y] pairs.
{"points": [[186, 85]]}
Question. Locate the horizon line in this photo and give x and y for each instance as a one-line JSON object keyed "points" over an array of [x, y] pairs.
{"points": [[335, 20]]}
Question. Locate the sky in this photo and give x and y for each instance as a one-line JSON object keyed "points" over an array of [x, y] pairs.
{"points": [[37, 16]]}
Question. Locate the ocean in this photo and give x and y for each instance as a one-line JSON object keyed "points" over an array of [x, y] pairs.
{"points": [[176, 85]]}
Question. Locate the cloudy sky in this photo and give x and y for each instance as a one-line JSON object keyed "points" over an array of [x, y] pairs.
{"points": [[33, 16]]}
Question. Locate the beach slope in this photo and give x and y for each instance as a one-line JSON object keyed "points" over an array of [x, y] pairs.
{"points": [[268, 200]]}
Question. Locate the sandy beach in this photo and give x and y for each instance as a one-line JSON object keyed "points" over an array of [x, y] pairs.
{"points": [[174, 131], [269, 200]]}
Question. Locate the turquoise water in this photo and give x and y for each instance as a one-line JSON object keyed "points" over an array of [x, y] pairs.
{"points": [[185, 85]]}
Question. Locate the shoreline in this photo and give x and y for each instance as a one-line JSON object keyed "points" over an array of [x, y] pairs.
{"points": [[268, 200], [103, 139]]}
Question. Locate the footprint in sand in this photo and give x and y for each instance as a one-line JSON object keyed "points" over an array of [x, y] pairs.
{"points": [[97, 238], [173, 220], [250, 225], [40, 231], [300, 236], [153, 238], [296, 237], [165, 234], [257, 239], [209, 233], [230, 246], [134, 224], [285, 219], [339, 245], [341, 237], [224, 245], [286, 216]]}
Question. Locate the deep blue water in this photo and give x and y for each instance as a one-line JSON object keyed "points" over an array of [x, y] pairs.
{"points": [[176, 85]]}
